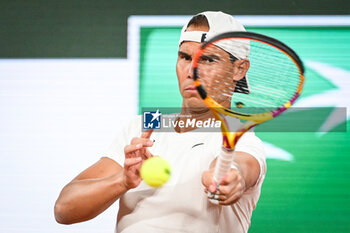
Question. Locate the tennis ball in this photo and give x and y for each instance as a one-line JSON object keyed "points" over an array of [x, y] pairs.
{"points": [[155, 171]]}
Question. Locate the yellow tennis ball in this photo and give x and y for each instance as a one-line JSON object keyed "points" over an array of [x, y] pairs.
{"points": [[155, 171]]}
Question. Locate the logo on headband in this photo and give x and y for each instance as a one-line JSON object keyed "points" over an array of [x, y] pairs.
{"points": [[204, 36]]}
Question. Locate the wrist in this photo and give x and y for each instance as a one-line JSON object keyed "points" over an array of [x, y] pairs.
{"points": [[119, 183], [129, 180]]}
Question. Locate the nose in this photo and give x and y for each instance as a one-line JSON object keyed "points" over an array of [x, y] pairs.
{"points": [[190, 70]]}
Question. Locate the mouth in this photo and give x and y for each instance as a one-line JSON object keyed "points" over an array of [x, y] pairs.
{"points": [[191, 88]]}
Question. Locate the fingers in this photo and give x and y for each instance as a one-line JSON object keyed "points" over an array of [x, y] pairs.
{"points": [[228, 191], [224, 195], [223, 200], [135, 153], [138, 147], [232, 177], [132, 161], [147, 134], [229, 198], [131, 177], [147, 153], [132, 148], [146, 142]]}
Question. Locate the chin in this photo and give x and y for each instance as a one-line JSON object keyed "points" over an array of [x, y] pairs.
{"points": [[193, 102]]}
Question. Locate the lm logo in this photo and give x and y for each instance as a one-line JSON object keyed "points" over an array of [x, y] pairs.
{"points": [[152, 120]]}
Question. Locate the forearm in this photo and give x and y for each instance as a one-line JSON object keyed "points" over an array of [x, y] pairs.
{"points": [[82, 200], [248, 167]]}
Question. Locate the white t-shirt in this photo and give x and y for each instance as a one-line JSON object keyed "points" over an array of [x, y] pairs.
{"points": [[181, 204]]}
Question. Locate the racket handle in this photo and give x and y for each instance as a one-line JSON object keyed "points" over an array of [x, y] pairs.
{"points": [[223, 164]]}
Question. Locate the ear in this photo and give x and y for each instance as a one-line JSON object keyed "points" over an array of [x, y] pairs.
{"points": [[241, 69]]}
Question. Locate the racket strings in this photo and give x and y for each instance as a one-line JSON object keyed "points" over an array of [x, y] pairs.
{"points": [[272, 76]]}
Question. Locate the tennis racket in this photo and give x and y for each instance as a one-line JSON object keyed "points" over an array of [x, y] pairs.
{"points": [[248, 76]]}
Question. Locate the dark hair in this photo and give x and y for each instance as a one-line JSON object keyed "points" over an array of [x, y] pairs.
{"points": [[232, 58], [198, 20]]}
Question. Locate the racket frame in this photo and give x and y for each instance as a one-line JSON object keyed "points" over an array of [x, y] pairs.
{"points": [[219, 112]]}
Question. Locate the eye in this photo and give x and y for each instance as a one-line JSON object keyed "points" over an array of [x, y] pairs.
{"points": [[206, 59], [185, 56]]}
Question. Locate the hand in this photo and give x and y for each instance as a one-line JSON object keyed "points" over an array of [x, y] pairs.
{"points": [[135, 154], [231, 187]]}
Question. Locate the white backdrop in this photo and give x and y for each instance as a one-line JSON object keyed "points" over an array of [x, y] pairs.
{"points": [[57, 116]]}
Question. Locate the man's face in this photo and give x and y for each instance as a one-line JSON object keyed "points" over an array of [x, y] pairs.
{"points": [[214, 67]]}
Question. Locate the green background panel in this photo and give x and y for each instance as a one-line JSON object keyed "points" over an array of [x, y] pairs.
{"points": [[310, 193], [158, 54]]}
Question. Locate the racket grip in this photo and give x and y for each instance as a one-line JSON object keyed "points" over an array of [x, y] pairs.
{"points": [[223, 164], [222, 167]]}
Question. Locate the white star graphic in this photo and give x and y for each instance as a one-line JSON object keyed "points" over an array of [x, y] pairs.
{"points": [[156, 115], [339, 97], [274, 152]]}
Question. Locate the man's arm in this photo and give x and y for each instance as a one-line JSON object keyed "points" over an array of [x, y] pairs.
{"points": [[100, 185], [248, 167], [237, 181], [91, 192]]}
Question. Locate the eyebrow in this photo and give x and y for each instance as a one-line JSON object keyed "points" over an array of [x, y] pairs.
{"points": [[180, 53], [211, 56]]}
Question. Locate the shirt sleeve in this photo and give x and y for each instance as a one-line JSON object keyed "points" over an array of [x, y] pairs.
{"points": [[116, 150], [251, 144]]}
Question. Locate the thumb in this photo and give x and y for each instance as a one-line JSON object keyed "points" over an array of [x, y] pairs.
{"points": [[208, 180]]}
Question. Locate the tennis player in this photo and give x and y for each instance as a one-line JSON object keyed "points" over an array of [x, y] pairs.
{"points": [[181, 205]]}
